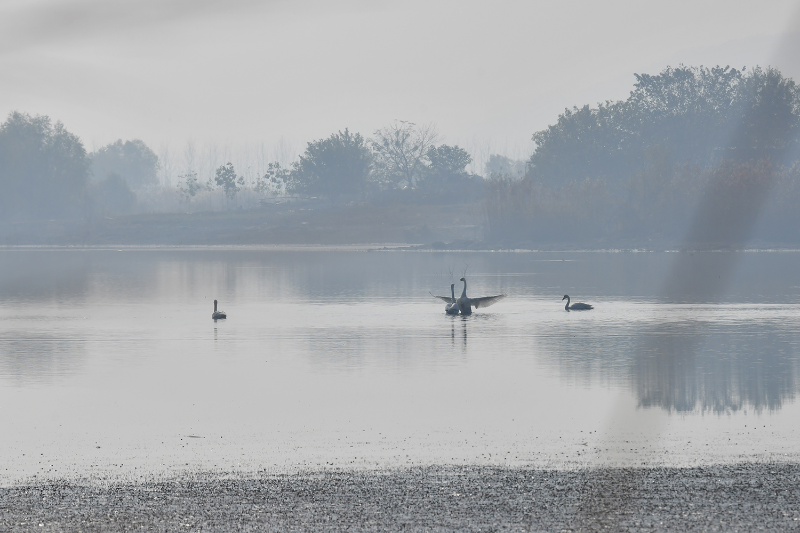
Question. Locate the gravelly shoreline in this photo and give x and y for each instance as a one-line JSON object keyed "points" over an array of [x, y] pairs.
{"points": [[741, 497]]}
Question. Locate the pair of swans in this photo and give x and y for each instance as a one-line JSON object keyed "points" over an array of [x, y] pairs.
{"points": [[464, 304]]}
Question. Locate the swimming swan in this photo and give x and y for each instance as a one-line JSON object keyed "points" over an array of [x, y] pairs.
{"points": [[452, 307], [576, 306], [218, 314], [466, 304]]}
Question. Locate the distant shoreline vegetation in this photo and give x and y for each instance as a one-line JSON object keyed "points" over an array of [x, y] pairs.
{"points": [[47, 173], [705, 156]]}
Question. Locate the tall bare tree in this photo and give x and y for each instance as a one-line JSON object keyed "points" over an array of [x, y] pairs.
{"points": [[402, 150]]}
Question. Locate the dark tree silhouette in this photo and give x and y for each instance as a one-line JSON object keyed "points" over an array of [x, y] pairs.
{"points": [[112, 196], [689, 115], [43, 169], [132, 160], [333, 167], [226, 178], [448, 161], [700, 156], [446, 177]]}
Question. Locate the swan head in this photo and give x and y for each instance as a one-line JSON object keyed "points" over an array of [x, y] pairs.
{"points": [[565, 297], [462, 279]]}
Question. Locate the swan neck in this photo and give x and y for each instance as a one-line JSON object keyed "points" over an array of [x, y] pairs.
{"points": [[464, 292], [215, 306], [567, 306], [453, 292]]}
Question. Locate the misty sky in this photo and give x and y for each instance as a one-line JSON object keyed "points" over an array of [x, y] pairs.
{"points": [[244, 71]]}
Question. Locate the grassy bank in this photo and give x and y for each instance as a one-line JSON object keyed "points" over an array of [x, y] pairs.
{"points": [[274, 224]]}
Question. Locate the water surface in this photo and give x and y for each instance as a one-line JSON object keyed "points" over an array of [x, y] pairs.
{"points": [[111, 365]]}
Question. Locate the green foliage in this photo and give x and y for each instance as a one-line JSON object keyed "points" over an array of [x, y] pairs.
{"points": [[696, 115], [500, 165], [112, 195], [446, 177], [583, 143], [226, 178], [190, 186], [133, 160], [275, 180], [690, 157], [43, 169], [448, 161], [716, 206], [332, 167]]}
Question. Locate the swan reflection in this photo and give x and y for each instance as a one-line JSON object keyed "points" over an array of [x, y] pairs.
{"points": [[458, 328]]}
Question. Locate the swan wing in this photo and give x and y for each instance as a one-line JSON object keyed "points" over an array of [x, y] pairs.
{"points": [[447, 299], [486, 301]]}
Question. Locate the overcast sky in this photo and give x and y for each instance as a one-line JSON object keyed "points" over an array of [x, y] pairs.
{"points": [[245, 71]]}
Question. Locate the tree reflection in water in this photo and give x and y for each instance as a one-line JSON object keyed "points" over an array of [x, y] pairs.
{"points": [[679, 370], [712, 362]]}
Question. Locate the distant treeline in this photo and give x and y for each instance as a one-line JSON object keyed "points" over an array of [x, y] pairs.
{"points": [[695, 156], [400, 163], [46, 173]]}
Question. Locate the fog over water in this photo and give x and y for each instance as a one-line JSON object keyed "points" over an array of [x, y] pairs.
{"points": [[340, 358]]}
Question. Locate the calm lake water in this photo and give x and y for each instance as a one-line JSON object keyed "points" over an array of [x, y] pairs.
{"points": [[110, 364]]}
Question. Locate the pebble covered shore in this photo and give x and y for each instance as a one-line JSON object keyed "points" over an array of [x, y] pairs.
{"points": [[740, 497]]}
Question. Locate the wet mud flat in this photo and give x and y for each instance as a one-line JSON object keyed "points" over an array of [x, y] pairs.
{"points": [[741, 497]]}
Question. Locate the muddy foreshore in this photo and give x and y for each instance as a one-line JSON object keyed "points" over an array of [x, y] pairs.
{"points": [[741, 497]]}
